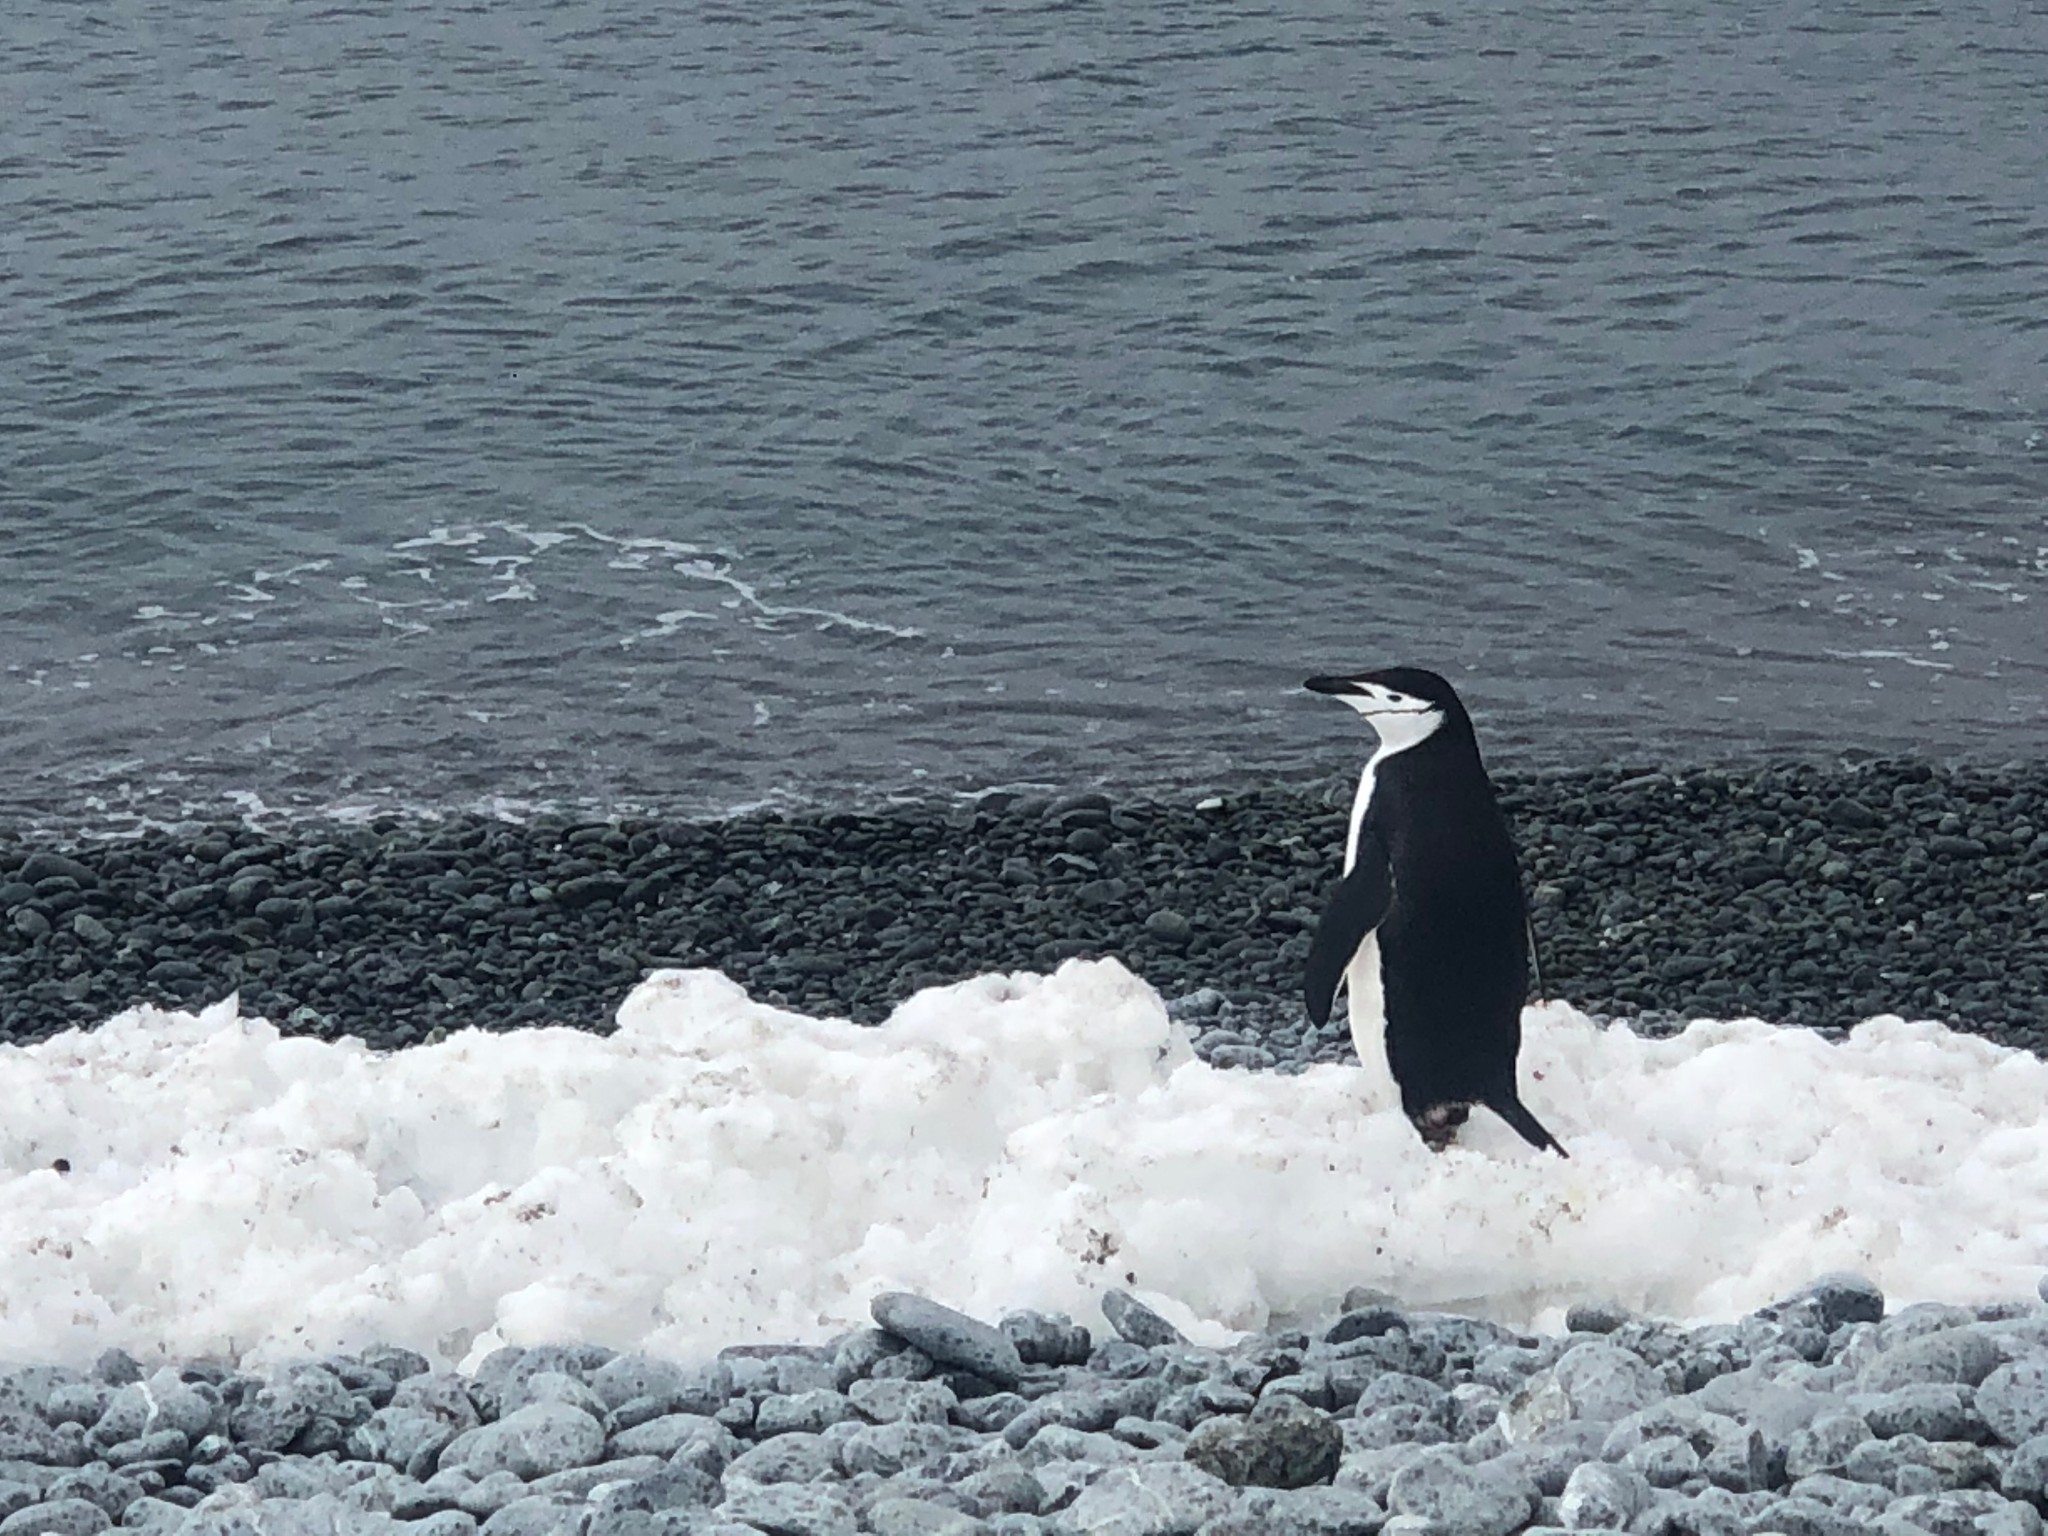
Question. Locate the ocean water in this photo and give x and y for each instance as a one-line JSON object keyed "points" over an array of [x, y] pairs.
{"points": [[604, 403]]}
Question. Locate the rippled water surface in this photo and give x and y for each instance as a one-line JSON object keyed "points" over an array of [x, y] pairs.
{"points": [[610, 402]]}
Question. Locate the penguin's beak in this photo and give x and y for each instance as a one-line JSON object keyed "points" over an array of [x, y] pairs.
{"points": [[1336, 685]]}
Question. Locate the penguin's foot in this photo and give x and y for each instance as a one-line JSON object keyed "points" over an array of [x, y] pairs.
{"points": [[1439, 1124]]}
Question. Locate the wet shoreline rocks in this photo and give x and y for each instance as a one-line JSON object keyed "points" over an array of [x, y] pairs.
{"points": [[1805, 894]]}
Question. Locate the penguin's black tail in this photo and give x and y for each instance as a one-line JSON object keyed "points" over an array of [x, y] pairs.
{"points": [[1506, 1103]]}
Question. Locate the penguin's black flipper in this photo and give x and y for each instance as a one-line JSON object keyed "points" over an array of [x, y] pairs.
{"points": [[1508, 1104], [1357, 906]]}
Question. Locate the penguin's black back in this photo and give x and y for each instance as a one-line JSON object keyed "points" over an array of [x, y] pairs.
{"points": [[1454, 965]]}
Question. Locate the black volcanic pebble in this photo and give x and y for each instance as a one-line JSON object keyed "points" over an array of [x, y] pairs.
{"points": [[1804, 894]]}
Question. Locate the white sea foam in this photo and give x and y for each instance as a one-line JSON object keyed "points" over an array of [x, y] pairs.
{"points": [[720, 1170]]}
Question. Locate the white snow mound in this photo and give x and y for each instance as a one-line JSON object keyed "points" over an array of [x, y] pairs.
{"points": [[721, 1171]]}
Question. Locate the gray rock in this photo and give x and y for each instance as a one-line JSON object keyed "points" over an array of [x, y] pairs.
{"points": [[1825, 1445], [789, 1509], [673, 1487], [886, 1402], [1805, 1517], [1138, 1323], [2025, 1475], [795, 1458], [1599, 1497], [986, 1415], [1485, 1500], [668, 1434], [1666, 1462], [1057, 1442], [1595, 1317], [1393, 1388], [1605, 1381], [1841, 1493], [1007, 1487], [2014, 1400], [1966, 1355], [1958, 1513], [1739, 1461], [804, 1413], [586, 1482], [624, 1377], [887, 1449], [1843, 1297], [149, 1514], [551, 1387], [1285, 1444], [77, 1402], [58, 1517], [530, 1442], [1309, 1512], [950, 1337], [1158, 1498], [1047, 1338], [401, 1437], [439, 1395], [158, 1445], [917, 1517], [1682, 1416], [491, 1493], [536, 1516], [1538, 1406], [1932, 1410], [25, 1437]]}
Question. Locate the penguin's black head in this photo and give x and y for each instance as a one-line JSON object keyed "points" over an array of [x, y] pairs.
{"points": [[1405, 705]]}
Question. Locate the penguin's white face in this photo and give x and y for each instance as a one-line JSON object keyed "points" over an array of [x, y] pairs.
{"points": [[1403, 720]]}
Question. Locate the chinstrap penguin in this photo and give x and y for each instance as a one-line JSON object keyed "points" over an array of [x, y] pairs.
{"points": [[1427, 929]]}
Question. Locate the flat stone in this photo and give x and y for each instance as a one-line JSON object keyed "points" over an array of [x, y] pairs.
{"points": [[1138, 1323], [950, 1337]]}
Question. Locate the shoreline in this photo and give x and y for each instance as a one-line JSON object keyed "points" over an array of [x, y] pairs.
{"points": [[1802, 894]]}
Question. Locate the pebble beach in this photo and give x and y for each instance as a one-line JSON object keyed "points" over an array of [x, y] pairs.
{"points": [[1799, 894]]}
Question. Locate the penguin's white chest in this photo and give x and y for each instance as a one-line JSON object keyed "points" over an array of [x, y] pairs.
{"points": [[1368, 1005], [1362, 984]]}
